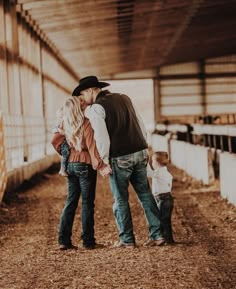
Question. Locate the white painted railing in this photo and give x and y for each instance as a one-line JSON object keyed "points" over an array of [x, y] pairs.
{"points": [[195, 160], [160, 143], [25, 149], [228, 176], [26, 139], [3, 173]]}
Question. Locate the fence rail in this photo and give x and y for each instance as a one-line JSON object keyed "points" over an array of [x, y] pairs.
{"points": [[26, 139], [3, 174]]}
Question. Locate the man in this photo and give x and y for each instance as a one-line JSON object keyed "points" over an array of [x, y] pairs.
{"points": [[118, 132]]}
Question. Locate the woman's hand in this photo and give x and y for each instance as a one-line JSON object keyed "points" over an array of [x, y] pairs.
{"points": [[106, 171]]}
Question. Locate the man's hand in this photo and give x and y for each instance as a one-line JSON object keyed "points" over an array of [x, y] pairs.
{"points": [[106, 171]]}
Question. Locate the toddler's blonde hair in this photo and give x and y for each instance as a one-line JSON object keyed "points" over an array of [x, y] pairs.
{"points": [[161, 157]]}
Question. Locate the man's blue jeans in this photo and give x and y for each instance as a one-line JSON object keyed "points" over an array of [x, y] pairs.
{"points": [[132, 168], [81, 181]]}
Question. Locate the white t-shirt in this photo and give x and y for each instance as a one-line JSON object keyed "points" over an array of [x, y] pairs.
{"points": [[161, 180]]}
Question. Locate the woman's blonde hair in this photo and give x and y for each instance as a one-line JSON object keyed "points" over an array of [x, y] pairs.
{"points": [[73, 119]]}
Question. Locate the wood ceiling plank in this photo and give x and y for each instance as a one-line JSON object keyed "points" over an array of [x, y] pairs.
{"points": [[27, 1], [73, 6], [76, 23], [33, 2], [105, 11], [47, 4], [81, 5]]}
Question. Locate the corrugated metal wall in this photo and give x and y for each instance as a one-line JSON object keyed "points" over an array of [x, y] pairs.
{"points": [[221, 89], [198, 88]]}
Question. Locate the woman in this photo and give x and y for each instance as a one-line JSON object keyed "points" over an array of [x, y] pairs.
{"points": [[81, 169]]}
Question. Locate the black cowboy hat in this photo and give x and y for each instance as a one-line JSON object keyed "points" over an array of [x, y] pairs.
{"points": [[88, 82]]}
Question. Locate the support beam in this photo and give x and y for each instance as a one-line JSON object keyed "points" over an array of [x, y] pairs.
{"points": [[202, 77], [4, 95], [193, 8], [12, 59], [3, 172], [157, 97]]}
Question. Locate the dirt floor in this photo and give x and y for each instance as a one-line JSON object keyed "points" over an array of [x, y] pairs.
{"points": [[204, 227]]}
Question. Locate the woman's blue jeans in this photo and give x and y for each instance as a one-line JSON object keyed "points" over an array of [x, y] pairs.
{"points": [[132, 168], [81, 181]]}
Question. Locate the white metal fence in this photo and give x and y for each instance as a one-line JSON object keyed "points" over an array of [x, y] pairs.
{"points": [[26, 139]]}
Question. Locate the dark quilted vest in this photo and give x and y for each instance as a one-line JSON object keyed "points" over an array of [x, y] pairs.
{"points": [[125, 134]]}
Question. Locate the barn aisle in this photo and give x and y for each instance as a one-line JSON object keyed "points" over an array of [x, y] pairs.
{"points": [[204, 228]]}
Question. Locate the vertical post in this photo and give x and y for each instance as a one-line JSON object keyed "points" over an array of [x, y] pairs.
{"points": [[3, 171], [229, 139], [202, 77], [43, 93], [234, 118], [19, 24], [12, 57], [157, 97], [4, 95], [23, 83]]}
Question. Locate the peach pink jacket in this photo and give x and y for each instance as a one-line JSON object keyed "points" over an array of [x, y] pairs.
{"points": [[88, 155]]}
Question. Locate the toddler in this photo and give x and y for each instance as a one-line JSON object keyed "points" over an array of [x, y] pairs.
{"points": [[161, 190]]}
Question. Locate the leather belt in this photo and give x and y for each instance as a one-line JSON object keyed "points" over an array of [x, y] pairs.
{"points": [[163, 194]]}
